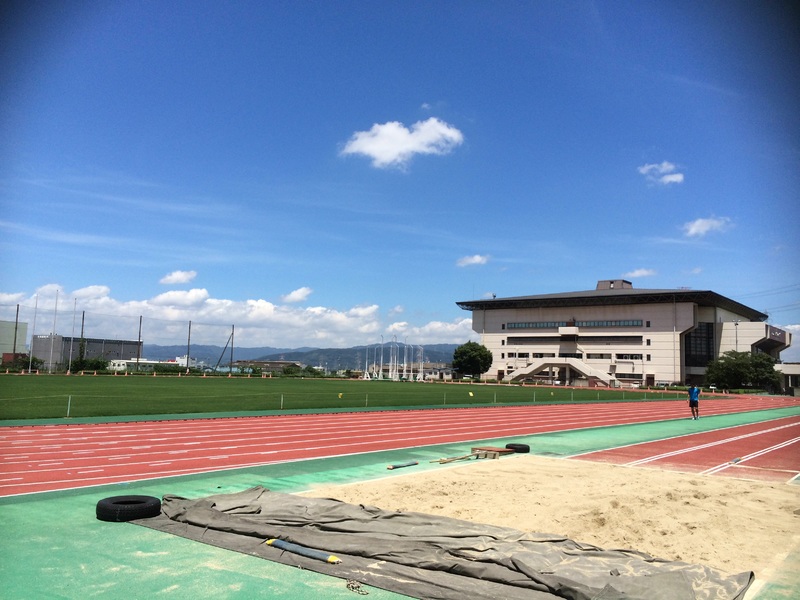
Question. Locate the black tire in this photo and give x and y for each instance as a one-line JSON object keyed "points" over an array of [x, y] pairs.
{"points": [[119, 509], [519, 448]]}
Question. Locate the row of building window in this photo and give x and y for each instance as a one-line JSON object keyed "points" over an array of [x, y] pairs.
{"points": [[555, 324], [589, 356], [581, 339]]}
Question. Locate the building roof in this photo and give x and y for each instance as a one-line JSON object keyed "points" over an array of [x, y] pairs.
{"points": [[616, 297]]}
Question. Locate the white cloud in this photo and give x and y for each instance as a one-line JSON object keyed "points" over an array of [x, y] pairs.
{"points": [[6, 298], [258, 322], [398, 327], [700, 227], [92, 291], [298, 295], [436, 332], [181, 298], [393, 145], [640, 273], [671, 178], [475, 259], [178, 277], [663, 173]]}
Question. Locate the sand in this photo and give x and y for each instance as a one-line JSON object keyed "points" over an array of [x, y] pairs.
{"points": [[731, 524]]}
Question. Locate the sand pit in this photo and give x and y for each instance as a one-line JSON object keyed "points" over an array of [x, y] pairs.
{"points": [[730, 524]]}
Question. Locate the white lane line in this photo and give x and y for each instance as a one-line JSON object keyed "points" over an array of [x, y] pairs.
{"points": [[736, 438], [750, 456]]}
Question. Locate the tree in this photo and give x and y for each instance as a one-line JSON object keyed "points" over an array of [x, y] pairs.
{"points": [[22, 361], [735, 370], [89, 364], [472, 359]]}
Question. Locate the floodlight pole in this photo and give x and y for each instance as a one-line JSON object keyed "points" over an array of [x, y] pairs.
{"points": [[53, 336], [33, 333], [230, 366], [380, 374], [188, 347], [139, 345], [72, 339]]}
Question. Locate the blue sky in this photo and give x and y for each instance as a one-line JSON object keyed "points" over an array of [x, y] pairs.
{"points": [[324, 173]]}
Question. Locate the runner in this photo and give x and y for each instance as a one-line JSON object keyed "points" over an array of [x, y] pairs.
{"points": [[694, 402]]}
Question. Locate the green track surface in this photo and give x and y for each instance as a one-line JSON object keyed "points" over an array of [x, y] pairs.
{"points": [[54, 547]]}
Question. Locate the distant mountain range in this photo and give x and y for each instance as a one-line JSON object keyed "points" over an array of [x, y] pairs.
{"points": [[332, 358]]}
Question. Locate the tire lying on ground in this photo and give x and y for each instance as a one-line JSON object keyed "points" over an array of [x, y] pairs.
{"points": [[519, 448], [119, 509]]}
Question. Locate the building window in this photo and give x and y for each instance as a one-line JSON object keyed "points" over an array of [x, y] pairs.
{"points": [[629, 376], [648, 358], [648, 341], [570, 355], [700, 345], [648, 324], [629, 357]]}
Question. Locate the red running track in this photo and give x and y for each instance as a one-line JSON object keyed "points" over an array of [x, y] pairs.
{"points": [[57, 457], [768, 451]]}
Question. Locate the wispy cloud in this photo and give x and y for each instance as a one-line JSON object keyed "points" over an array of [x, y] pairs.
{"points": [[64, 237], [664, 173], [640, 273], [178, 277], [475, 259], [700, 227], [392, 144], [298, 295]]}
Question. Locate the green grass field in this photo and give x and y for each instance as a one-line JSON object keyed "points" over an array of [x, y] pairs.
{"points": [[51, 396]]}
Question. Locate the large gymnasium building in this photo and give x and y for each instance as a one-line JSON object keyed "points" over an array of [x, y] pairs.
{"points": [[616, 335]]}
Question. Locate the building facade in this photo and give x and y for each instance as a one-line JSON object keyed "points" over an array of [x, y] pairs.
{"points": [[57, 351], [12, 337], [616, 335]]}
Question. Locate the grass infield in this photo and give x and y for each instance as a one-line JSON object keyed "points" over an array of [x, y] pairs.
{"points": [[52, 396]]}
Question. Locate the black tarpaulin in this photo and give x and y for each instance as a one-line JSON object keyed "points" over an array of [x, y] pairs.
{"points": [[426, 556]]}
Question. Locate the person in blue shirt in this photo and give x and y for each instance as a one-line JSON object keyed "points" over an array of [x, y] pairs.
{"points": [[694, 402]]}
